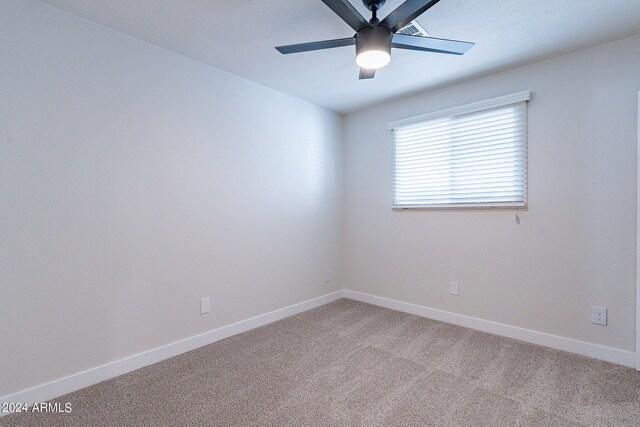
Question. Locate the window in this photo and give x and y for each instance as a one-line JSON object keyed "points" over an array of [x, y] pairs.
{"points": [[474, 156]]}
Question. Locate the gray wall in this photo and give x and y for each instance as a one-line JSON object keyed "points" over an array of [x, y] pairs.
{"points": [[575, 246], [133, 182]]}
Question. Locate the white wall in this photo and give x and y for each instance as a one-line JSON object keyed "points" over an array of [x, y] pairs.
{"points": [[133, 182], [575, 246]]}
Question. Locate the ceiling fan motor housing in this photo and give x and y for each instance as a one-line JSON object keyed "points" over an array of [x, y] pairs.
{"points": [[373, 38]]}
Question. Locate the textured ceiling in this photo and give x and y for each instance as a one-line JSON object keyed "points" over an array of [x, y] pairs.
{"points": [[239, 36]]}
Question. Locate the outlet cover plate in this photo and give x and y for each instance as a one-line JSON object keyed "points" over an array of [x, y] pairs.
{"points": [[454, 288], [205, 305], [328, 276], [599, 315]]}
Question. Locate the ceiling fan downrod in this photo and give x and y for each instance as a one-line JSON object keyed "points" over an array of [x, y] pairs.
{"points": [[374, 6]]}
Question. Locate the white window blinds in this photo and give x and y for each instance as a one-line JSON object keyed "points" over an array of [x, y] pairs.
{"points": [[469, 156]]}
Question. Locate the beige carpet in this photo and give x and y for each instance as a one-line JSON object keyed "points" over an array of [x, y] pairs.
{"points": [[349, 363]]}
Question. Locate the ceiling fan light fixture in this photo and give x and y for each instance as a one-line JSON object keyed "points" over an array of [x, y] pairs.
{"points": [[374, 38], [373, 47]]}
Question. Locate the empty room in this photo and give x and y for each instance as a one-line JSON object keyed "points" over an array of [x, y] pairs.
{"points": [[319, 213]]}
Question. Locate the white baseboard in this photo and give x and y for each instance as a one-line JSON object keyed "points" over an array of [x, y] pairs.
{"points": [[62, 386], [609, 354]]}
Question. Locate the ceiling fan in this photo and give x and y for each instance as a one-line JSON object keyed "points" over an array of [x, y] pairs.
{"points": [[374, 39]]}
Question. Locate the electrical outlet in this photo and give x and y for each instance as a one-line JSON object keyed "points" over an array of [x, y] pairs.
{"points": [[205, 305], [599, 315], [328, 276], [454, 288]]}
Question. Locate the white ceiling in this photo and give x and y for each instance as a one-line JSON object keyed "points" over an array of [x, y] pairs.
{"points": [[239, 36]]}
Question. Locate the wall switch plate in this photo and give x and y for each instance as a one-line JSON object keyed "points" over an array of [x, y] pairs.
{"points": [[454, 288], [599, 315], [328, 276], [205, 305]]}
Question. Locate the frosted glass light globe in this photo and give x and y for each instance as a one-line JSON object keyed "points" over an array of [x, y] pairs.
{"points": [[373, 59]]}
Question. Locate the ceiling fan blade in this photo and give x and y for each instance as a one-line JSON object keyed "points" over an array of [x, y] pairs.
{"points": [[366, 73], [347, 13], [406, 12], [324, 44], [430, 44]]}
